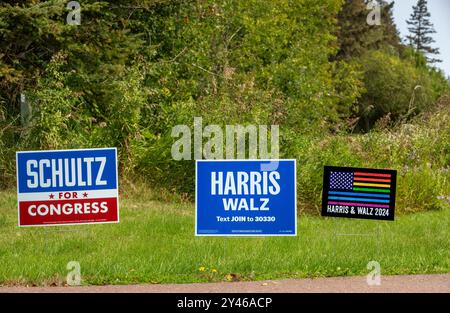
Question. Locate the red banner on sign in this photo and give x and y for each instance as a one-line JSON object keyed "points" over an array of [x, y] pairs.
{"points": [[75, 211]]}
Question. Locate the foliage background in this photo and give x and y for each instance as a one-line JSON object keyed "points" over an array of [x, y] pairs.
{"points": [[343, 93]]}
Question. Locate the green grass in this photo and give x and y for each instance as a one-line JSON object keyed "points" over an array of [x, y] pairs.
{"points": [[155, 243]]}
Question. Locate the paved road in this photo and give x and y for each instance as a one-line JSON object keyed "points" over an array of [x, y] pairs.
{"points": [[411, 283]]}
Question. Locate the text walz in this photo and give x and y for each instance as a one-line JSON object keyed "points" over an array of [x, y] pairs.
{"points": [[232, 186]]}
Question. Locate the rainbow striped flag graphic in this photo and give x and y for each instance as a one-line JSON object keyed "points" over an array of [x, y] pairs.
{"points": [[359, 193]]}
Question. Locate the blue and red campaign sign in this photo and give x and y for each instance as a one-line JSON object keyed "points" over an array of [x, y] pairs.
{"points": [[245, 198], [359, 193], [67, 187]]}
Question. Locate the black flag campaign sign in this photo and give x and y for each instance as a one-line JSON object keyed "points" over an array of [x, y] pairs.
{"points": [[359, 193]]}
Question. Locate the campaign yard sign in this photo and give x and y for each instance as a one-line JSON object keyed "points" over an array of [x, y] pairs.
{"points": [[359, 193], [243, 198], [67, 187]]}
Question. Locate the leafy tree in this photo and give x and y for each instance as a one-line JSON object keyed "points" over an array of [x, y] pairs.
{"points": [[356, 36], [353, 33], [133, 69], [421, 30], [97, 61], [391, 34], [396, 88]]}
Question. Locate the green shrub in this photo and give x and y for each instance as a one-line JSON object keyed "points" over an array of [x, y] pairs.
{"points": [[420, 152], [396, 87], [125, 80]]}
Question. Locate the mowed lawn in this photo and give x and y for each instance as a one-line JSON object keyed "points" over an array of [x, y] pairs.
{"points": [[155, 243]]}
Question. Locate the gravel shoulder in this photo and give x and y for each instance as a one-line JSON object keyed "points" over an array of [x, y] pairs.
{"points": [[439, 283]]}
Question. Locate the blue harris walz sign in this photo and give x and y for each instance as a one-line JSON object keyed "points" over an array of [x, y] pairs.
{"points": [[243, 198]]}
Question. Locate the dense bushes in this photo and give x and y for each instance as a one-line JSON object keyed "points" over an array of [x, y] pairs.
{"points": [[419, 151], [253, 63], [129, 73], [397, 87]]}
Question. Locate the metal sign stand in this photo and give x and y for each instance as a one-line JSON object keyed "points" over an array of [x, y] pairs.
{"points": [[337, 233], [45, 231]]}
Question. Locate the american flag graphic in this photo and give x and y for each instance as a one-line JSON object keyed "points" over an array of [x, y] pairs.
{"points": [[359, 189]]}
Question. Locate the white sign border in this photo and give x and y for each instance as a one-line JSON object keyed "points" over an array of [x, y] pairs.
{"points": [[68, 224]]}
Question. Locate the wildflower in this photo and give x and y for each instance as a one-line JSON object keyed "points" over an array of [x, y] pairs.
{"points": [[202, 268]]}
